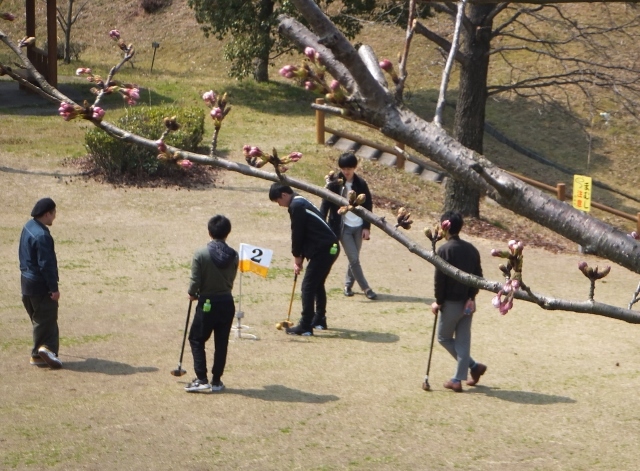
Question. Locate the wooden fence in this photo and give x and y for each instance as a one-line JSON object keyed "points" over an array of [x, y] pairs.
{"points": [[559, 190]]}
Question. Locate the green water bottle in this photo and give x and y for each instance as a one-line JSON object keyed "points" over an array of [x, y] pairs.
{"points": [[206, 307], [334, 249]]}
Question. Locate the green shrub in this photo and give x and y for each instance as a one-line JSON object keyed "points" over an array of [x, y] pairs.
{"points": [[117, 158]]}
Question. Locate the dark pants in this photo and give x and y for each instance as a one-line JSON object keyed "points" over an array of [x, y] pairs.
{"points": [[43, 312], [218, 321], [314, 295]]}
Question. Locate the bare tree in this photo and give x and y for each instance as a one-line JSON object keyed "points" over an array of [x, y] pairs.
{"points": [[550, 57], [66, 20], [372, 102]]}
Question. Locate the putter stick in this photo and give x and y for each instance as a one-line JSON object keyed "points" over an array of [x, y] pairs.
{"points": [[288, 323], [179, 371], [426, 386]]}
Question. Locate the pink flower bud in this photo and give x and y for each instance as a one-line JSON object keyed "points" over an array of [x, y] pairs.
{"points": [[83, 70], [288, 71], [67, 111], [334, 85], [216, 113], [255, 152], [582, 266], [162, 147], [446, 225], [8, 16], [210, 98], [97, 113], [495, 301], [309, 85], [295, 156], [114, 34], [310, 53], [386, 65], [495, 253], [246, 149], [185, 163], [515, 284], [634, 235]]}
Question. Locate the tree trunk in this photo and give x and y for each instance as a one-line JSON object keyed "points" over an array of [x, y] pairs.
{"points": [[261, 62], [468, 126], [67, 33], [261, 69]]}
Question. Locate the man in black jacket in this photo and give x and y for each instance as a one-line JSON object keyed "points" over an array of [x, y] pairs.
{"points": [[311, 238], [457, 303]]}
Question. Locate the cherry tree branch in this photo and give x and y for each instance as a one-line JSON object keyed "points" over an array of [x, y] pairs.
{"points": [[437, 119]]}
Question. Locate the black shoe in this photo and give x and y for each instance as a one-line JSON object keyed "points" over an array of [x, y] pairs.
{"points": [[319, 323], [299, 330], [348, 292], [370, 294]]}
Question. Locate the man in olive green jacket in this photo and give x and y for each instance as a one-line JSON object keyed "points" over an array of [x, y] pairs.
{"points": [[213, 272]]}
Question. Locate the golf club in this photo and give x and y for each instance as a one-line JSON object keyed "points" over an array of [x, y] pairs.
{"points": [[425, 385], [288, 323], [179, 371]]}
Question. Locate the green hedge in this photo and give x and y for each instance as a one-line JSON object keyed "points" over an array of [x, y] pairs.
{"points": [[115, 157]]}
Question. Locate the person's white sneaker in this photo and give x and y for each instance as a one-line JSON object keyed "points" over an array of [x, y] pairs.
{"points": [[198, 386]]}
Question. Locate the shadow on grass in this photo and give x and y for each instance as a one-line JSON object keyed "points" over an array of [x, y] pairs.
{"points": [[279, 393], [364, 336], [393, 298], [108, 367], [521, 397]]}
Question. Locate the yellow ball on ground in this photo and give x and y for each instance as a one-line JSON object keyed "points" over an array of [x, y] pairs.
{"points": [[279, 326]]}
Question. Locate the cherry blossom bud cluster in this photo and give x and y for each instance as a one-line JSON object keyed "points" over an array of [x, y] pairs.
{"points": [[218, 105], [67, 111], [311, 75], [503, 301], [97, 113], [593, 273], [258, 159], [130, 95]]}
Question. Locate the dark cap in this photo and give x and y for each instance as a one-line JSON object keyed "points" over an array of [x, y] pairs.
{"points": [[43, 205]]}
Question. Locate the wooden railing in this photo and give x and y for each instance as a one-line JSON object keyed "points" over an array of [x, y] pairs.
{"points": [[559, 190]]}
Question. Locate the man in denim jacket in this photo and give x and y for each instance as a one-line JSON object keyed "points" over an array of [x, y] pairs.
{"points": [[39, 283]]}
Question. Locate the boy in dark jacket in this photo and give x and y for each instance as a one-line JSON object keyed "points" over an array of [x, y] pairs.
{"points": [[313, 239], [349, 227], [213, 272]]}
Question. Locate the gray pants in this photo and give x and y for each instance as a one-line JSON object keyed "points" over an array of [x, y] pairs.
{"points": [[43, 312], [454, 334], [352, 243]]}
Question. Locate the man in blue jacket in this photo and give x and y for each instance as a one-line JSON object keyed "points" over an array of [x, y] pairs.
{"points": [[39, 283], [311, 238]]}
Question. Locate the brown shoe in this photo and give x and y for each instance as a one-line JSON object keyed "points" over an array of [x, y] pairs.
{"points": [[455, 386], [476, 372]]}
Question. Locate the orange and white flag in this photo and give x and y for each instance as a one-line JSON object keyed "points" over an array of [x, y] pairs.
{"points": [[255, 259]]}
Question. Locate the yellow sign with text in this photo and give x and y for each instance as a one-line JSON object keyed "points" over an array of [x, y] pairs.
{"points": [[582, 192]]}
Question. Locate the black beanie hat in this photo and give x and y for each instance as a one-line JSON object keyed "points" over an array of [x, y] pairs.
{"points": [[43, 205]]}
